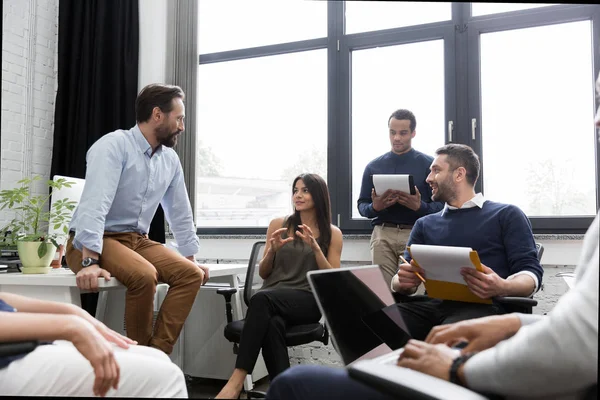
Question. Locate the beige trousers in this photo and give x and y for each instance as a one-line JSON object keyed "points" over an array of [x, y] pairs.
{"points": [[387, 245], [60, 370]]}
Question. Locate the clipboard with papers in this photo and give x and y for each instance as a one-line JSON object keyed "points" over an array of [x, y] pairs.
{"points": [[442, 265], [401, 182]]}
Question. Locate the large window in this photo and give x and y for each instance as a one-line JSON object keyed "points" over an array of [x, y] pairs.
{"points": [[261, 122], [291, 86], [385, 79], [540, 123]]}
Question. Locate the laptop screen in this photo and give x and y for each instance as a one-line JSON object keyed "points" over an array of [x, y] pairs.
{"points": [[359, 310]]}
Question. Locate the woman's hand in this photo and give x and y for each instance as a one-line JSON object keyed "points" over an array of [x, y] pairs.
{"points": [[276, 241], [307, 236], [89, 341]]}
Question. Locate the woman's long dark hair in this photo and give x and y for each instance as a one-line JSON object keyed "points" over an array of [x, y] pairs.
{"points": [[320, 194]]}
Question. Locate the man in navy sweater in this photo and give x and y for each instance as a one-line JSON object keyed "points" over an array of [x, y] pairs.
{"points": [[394, 213], [500, 233]]}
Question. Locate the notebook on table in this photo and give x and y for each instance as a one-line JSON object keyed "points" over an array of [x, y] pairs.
{"points": [[368, 331]]}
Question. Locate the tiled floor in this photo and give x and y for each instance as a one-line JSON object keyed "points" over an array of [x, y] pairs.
{"points": [[199, 388]]}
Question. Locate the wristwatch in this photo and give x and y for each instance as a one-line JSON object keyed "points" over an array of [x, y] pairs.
{"points": [[458, 361], [86, 262]]}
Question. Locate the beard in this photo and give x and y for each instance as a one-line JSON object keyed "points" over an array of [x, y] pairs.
{"points": [[166, 138], [445, 193]]}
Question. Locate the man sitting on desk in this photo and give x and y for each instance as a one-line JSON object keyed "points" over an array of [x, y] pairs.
{"points": [[500, 233], [129, 172]]}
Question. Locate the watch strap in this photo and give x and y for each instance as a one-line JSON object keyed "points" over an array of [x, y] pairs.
{"points": [[458, 361], [92, 261]]}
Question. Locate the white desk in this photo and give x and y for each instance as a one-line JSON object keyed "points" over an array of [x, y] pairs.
{"points": [[57, 285], [206, 347]]}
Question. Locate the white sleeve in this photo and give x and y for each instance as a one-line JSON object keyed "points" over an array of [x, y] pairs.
{"points": [[556, 354]]}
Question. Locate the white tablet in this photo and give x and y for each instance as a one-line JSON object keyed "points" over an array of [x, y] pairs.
{"points": [[403, 183]]}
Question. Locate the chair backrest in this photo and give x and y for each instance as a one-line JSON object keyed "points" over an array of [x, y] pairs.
{"points": [[540, 250], [253, 279], [73, 193]]}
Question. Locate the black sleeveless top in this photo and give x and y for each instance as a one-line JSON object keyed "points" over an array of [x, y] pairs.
{"points": [[290, 265]]}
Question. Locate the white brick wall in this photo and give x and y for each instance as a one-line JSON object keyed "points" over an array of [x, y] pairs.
{"points": [[29, 82]]}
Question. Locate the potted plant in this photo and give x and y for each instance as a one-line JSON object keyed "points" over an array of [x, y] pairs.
{"points": [[29, 228]]}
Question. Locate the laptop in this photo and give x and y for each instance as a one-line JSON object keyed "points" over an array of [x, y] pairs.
{"points": [[360, 313], [368, 331]]}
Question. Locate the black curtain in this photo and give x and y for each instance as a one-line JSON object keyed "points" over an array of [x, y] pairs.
{"points": [[98, 46]]}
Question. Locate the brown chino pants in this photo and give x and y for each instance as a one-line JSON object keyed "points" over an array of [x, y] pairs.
{"points": [[140, 263]]}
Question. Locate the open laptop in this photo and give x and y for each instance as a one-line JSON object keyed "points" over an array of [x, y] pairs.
{"points": [[368, 331], [360, 312]]}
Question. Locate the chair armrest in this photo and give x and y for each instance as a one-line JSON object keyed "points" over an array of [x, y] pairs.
{"points": [[14, 348], [517, 301], [227, 293]]}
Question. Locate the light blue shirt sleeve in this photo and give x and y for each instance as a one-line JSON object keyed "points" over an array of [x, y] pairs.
{"points": [[104, 167], [178, 212]]}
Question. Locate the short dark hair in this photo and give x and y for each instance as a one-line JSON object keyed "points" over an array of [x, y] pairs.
{"points": [[461, 155], [156, 95], [404, 114]]}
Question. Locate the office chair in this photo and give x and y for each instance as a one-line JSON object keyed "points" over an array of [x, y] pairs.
{"points": [[295, 334], [15, 348], [522, 305]]}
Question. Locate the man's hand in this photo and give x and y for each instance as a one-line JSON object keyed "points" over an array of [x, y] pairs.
{"points": [[388, 198], [412, 201], [407, 279], [485, 284], [87, 278], [480, 333], [99, 352], [205, 270], [434, 360]]}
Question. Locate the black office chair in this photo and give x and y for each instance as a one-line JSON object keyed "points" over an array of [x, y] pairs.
{"points": [[15, 348], [522, 305], [295, 334]]}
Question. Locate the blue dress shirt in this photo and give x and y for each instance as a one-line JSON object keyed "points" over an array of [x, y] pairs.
{"points": [[124, 184]]}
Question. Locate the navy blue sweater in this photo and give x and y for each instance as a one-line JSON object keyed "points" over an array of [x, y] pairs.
{"points": [[500, 233], [412, 163]]}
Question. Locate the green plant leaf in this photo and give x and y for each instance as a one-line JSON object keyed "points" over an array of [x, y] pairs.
{"points": [[42, 250]]}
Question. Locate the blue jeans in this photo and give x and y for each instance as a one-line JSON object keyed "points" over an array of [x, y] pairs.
{"points": [[318, 382]]}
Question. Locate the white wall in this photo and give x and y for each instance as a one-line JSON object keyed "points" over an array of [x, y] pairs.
{"points": [[29, 83], [153, 42]]}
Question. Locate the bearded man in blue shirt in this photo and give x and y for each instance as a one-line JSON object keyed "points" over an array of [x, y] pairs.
{"points": [[129, 173]]}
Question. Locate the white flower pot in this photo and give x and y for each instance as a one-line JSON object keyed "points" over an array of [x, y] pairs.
{"points": [[32, 263]]}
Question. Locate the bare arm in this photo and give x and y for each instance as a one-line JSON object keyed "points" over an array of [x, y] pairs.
{"points": [[34, 326], [30, 305], [265, 266], [334, 254]]}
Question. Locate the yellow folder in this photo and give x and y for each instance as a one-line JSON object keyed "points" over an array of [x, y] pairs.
{"points": [[451, 290]]}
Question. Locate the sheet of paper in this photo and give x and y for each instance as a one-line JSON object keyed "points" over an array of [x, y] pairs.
{"points": [[383, 182], [442, 263]]}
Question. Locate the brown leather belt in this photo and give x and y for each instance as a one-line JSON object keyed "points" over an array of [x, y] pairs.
{"points": [[398, 226]]}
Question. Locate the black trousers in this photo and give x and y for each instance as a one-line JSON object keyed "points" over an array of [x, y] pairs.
{"points": [[269, 313], [423, 314]]}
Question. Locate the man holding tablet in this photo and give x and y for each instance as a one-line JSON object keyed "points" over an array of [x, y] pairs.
{"points": [[394, 212]]}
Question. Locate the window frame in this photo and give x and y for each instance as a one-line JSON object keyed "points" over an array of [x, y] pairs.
{"points": [[463, 89]]}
